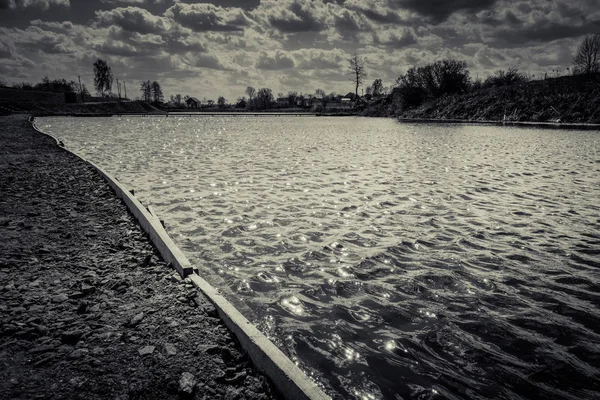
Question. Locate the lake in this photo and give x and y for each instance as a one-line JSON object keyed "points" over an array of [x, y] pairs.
{"points": [[388, 260]]}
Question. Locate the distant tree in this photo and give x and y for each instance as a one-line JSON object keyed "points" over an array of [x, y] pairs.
{"points": [[103, 77], [157, 93], [291, 96], [146, 89], [356, 67], [587, 58], [431, 81], [3, 83], [210, 103], [377, 88], [241, 102], [264, 98], [505, 78], [323, 97], [221, 101], [250, 91]]}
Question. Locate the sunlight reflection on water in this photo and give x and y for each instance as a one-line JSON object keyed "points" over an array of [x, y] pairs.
{"points": [[386, 259]]}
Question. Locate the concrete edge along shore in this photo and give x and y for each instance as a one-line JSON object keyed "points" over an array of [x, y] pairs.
{"points": [[286, 376]]}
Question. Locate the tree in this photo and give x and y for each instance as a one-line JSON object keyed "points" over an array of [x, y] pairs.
{"points": [[241, 102], [157, 93], [432, 81], [146, 89], [264, 97], [221, 101], [377, 88], [587, 58], [250, 91], [356, 67], [103, 77], [291, 96], [324, 98]]}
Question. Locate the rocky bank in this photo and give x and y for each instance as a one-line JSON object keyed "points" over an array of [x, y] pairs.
{"points": [[88, 309]]}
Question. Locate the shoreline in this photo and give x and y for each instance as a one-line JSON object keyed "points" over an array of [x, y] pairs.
{"points": [[531, 124], [89, 307], [286, 376]]}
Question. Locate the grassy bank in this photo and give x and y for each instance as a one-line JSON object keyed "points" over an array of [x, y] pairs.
{"points": [[568, 99], [105, 108]]}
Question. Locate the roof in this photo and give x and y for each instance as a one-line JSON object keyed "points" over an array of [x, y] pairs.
{"points": [[194, 99]]}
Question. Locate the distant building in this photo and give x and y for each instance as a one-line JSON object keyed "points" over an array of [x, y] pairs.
{"points": [[345, 102], [193, 102]]}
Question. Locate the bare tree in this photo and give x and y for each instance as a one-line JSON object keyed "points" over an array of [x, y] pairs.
{"points": [[157, 93], [146, 89], [356, 68], [587, 59], [103, 77]]}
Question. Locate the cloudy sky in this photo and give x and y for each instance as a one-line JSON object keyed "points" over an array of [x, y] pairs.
{"points": [[211, 48]]}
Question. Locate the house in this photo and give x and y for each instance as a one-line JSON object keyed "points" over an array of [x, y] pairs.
{"points": [[345, 102], [193, 102]]}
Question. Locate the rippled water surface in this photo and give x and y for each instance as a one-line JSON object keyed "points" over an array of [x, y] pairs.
{"points": [[390, 260]]}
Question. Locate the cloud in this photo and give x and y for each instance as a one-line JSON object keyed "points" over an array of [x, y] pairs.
{"points": [[395, 38], [130, 2], [208, 61], [439, 10], [295, 16], [43, 4], [203, 17], [132, 19], [274, 61]]}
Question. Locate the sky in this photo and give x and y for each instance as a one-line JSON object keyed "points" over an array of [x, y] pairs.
{"points": [[207, 49]]}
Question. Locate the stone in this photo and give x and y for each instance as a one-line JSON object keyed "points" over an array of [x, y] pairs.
{"points": [[136, 319], [87, 289], [60, 298], [146, 350], [170, 349], [78, 353], [187, 383]]}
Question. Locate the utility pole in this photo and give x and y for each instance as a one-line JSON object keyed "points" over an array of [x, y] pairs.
{"points": [[118, 88], [80, 89], [125, 86]]}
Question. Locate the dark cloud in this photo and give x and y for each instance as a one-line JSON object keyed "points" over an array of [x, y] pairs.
{"points": [[132, 19], [207, 17], [245, 4], [301, 18], [439, 10], [210, 62], [545, 32], [43, 4], [276, 61], [347, 25]]}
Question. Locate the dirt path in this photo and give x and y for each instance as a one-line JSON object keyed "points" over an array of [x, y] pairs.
{"points": [[87, 308]]}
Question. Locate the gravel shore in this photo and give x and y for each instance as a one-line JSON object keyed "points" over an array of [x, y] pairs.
{"points": [[88, 309]]}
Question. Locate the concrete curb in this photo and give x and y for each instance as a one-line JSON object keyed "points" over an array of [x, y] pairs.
{"points": [[287, 377]]}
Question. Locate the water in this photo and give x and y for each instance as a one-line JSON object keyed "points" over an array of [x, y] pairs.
{"points": [[389, 260]]}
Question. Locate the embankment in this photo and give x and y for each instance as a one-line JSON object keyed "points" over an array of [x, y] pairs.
{"points": [[44, 107], [568, 99]]}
